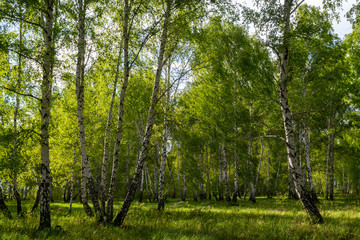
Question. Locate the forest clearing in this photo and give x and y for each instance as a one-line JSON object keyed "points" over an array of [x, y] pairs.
{"points": [[179, 119], [277, 218]]}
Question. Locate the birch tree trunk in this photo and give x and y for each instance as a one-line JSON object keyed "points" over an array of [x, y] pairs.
{"points": [[162, 195], [105, 162], [308, 162], [126, 39], [119, 219], [141, 185], [80, 89], [292, 153], [46, 86], [224, 187]]}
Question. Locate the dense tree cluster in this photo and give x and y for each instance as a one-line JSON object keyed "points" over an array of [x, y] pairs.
{"points": [[118, 99]]}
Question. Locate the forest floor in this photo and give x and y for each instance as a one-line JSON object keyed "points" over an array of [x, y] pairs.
{"points": [[276, 218]]}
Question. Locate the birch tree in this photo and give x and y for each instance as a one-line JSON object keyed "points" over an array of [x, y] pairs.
{"points": [[279, 38], [89, 184], [46, 87], [119, 219]]}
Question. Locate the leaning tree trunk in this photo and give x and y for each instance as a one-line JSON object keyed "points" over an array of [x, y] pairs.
{"points": [[105, 162], [308, 163], [126, 39], [80, 89], [46, 86], [119, 219], [292, 153], [3, 207]]}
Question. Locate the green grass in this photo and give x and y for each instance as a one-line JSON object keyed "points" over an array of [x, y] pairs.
{"points": [[276, 218]]}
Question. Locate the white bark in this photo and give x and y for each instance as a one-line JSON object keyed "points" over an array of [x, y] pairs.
{"points": [[80, 95], [292, 153], [105, 162], [46, 86], [162, 195], [126, 39], [149, 125]]}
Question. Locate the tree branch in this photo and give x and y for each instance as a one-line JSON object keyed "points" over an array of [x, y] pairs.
{"points": [[23, 94], [297, 6], [12, 17]]}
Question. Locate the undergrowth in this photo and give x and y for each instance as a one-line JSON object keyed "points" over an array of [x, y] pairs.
{"points": [[277, 218]]}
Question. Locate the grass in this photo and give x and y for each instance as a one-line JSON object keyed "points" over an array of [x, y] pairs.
{"points": [[276, 218]]}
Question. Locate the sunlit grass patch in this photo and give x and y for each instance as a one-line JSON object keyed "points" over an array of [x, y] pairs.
{"points": [[276, 218]]}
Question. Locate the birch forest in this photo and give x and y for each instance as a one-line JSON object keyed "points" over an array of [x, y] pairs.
{"points": [[179, 119]]}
